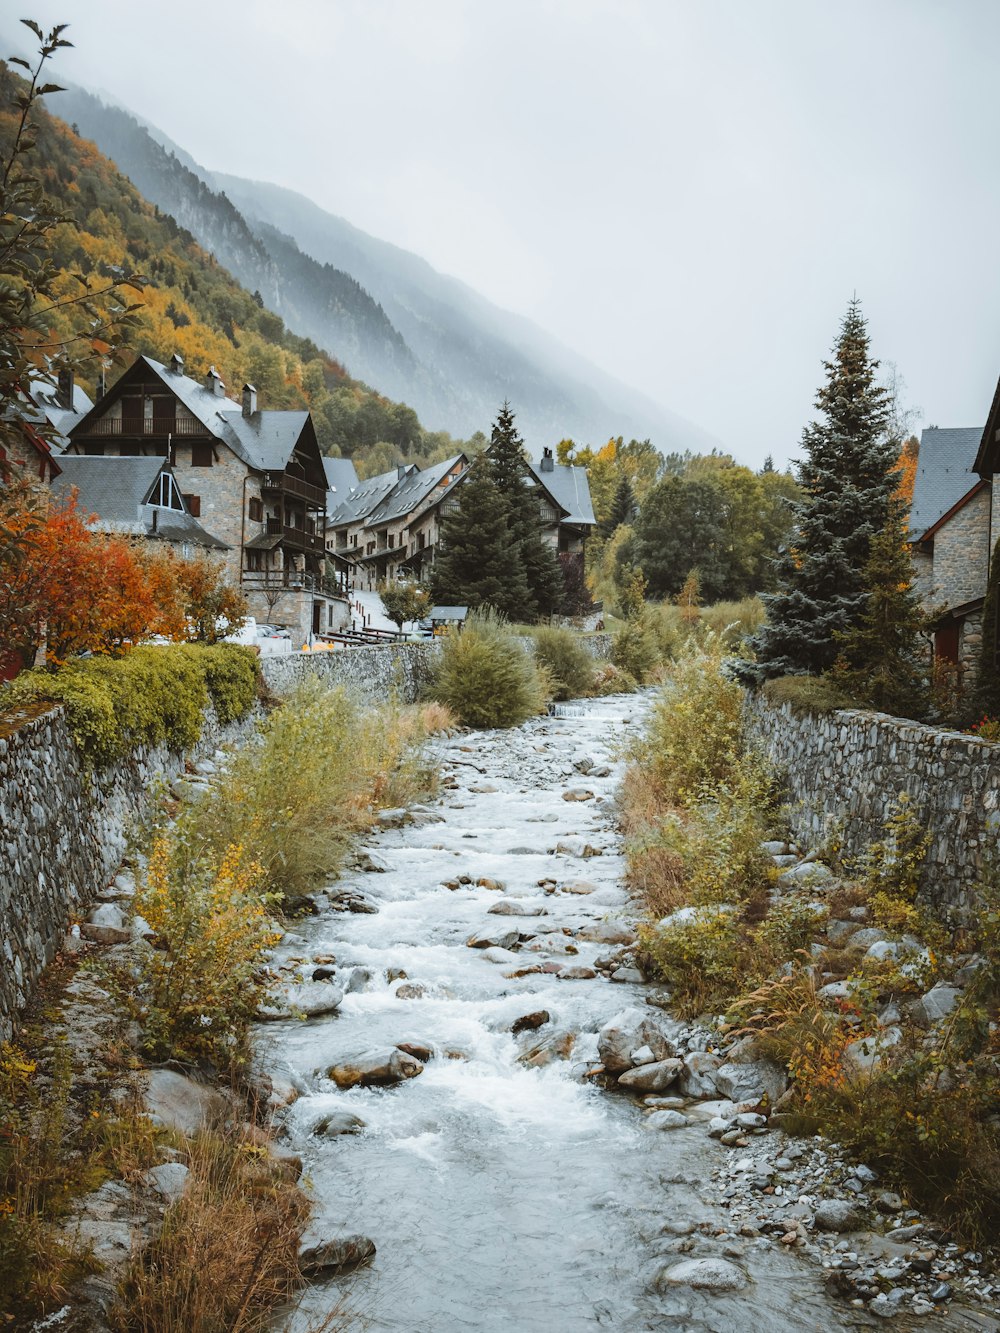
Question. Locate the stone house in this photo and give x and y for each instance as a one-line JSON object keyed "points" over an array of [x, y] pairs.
{"points": [[389, 526], [136, 497], [950, 541], [254, 479]]}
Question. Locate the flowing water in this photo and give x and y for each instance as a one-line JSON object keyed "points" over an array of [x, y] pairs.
{"points": [[504, 1197]]}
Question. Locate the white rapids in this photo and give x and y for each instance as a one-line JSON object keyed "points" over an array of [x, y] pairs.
{"points": [[502, 1197]]}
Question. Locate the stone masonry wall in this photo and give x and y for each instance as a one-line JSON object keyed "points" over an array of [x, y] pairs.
{"points": [[846, 771], [63, 832]]}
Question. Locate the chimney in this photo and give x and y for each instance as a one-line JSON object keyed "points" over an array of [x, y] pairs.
{"points": [[64, 388], [249, 400], [177, 364], [548, 462], [214, 384]]}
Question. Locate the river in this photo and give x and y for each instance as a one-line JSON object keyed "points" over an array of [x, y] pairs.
{"points": [[502, 1196]]}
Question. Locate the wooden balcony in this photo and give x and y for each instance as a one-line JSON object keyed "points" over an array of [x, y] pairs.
{"points": [[313, 496], [135, 427], [298, 538], [292, 580]]}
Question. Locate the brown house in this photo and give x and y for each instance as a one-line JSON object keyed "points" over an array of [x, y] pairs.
{"points": [[253, 479]]}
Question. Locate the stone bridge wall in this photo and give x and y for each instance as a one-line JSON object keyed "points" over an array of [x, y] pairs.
{"points": [[846, 771]]}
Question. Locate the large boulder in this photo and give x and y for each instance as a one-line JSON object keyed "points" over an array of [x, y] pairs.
{"points": [[500, 937], [697, 1079], [555, 1046], [656, 1077], [628, 1031], [938, 1003], [386, 1066], [608, 932], [838, 1215], [861, 1058]]}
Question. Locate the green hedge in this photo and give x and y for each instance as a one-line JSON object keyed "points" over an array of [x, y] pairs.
{"points": [[152, 695]]}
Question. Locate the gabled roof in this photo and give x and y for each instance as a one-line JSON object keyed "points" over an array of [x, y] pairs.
{"points": [[412, 489], [945, 475], [264, 441], [569, 488], [363, 499], [989, 444], [341, 477], [117, 492], [62, 418]]}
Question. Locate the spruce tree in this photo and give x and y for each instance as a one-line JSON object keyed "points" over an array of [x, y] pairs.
{"points": [[847, 482], [542, 576], [879, 662], [478, 564], [623, 508]]}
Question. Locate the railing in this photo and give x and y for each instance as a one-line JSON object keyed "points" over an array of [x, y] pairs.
{"points": [[291, 580], [297, 537], [302, 490], [147, 426]]}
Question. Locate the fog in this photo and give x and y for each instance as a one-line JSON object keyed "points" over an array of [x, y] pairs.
{"points": [[688, 194]]}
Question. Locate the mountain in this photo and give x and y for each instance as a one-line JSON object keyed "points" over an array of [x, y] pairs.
{"points": [[385, 313]]}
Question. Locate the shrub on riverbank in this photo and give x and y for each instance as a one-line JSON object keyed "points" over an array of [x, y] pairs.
{"points": [[570, 666], [486, 676], [152, 695]]}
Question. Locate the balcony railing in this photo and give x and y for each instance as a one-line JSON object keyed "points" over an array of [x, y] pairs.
{"points": [[161, 426], [297, 537], [291, 580], [314, 496]]}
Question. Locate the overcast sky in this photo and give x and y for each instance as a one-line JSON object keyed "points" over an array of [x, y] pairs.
{"points": [[686, 191]]}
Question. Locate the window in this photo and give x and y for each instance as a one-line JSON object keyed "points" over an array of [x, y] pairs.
{"points": [[165, 495], [164, 415], [201, 455], [392, 540], [132, 414], [193, 503], [256, 509]]}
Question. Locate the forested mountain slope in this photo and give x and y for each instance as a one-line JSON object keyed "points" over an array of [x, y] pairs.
{"points": [[386, 313]]}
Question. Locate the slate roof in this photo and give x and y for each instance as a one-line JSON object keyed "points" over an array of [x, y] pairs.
{"points": [[570, 489], [362, 501], [116, 491], [62, 418], [411, 490], [944, 474], [341, 477]]}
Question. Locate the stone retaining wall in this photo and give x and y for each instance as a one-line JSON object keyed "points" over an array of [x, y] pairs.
{"points": [[63, 832], [846, 771]]}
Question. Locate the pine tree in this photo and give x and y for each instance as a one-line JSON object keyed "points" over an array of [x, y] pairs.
{"points": [[879, 663], [542, 576], [847, 482], [478, 564], [623, 508]]}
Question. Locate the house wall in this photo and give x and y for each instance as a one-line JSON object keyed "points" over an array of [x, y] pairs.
{"points": [[962, 554], [845, 772], [225, 490]]}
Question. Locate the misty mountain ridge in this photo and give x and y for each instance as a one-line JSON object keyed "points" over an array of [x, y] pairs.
{"points": [[388, 315]]}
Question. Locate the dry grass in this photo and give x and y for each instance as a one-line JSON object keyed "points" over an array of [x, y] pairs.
{"points": [[227, 1253], [437, 719]]}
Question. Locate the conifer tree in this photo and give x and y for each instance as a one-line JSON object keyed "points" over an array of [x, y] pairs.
{"points": [[479, 564], [847, 482], [623, 508], [880, 662], [538, 561]]}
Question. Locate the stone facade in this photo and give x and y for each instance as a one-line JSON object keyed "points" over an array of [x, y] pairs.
{"points": [[64, 833], [845, 773]]}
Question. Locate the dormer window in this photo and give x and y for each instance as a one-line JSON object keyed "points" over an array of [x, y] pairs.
{"points": [[165, 494]]}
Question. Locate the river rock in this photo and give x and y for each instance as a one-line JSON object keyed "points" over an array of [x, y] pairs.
{"points": [[334, 1124], [607, 932], [411, 990], [394, 818], [751, 1081], [105, 925], [500, 937], [361, 980], [311, 999], [651, 1078], [287, 1163], [497, 955], [838, 1215], [629, 1030], [666, 1119], [625, 976], [556, 1046], [578, 847], [179, 1103], [697, 1079], [512, 907], [576, 973], [578, 794], [385, 1066], [530, 1022], [418, 1049], [494, 885], [328, 1255], [707, 1274], [372, 863]]}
